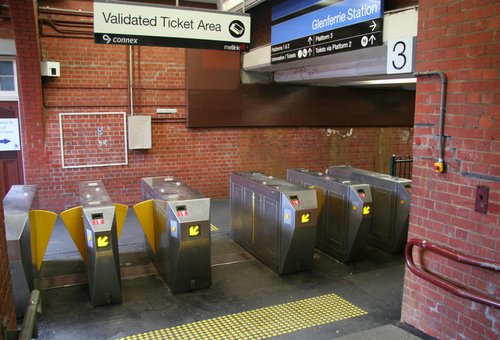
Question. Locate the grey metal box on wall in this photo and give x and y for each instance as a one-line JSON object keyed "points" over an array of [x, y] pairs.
{"points": [[139, 132]]}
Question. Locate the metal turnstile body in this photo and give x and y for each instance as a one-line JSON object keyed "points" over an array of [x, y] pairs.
{"points": [[274, 220], [17, 205], [344, 213], [391, 206], [101, 241], [181, 232]]}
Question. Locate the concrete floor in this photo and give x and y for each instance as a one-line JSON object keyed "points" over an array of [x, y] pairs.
{"points": [[239, 283]]}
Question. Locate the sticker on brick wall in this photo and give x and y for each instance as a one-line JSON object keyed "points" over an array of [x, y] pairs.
{"points": [[93, 139]]}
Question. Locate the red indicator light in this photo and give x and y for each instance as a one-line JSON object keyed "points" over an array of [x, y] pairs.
{"points": [[181, 210], [295, 200], [98, 221], [181, 213]]}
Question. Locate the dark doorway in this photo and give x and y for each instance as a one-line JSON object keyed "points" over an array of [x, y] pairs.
{"points": [[11, 167]]}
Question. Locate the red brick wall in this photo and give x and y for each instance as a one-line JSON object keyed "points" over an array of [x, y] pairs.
{"points": [[5, 27], [6, 299], [25, 31], [22, 12], [94, 78], [93, 139], [459, 38]]}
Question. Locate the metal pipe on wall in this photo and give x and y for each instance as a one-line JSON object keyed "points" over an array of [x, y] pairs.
{"points": [[439, 166], [131, 80]]}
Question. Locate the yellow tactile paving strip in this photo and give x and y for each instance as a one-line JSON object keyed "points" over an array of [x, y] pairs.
{"points": [[262, 323]]}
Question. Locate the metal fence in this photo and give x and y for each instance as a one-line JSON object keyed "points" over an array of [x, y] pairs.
{"points": [[401, 166]]}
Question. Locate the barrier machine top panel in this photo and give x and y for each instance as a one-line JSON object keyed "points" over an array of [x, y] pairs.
{"points": [[332, 181], [377, 179], [18, 202], [169, 189], [19, 199], [93, 194], [269, 184]]}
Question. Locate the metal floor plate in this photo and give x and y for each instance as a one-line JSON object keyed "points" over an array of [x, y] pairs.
{"points": [[263, 322], [59, 281]]}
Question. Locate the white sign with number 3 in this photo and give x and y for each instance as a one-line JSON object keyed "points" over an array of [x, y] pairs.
{"points": [[401, 55]]}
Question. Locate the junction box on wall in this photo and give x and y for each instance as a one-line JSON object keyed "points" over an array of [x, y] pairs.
{"points": [[139, 132], [50, 69]]}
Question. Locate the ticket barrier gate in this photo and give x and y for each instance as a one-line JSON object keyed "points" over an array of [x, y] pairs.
{"points": [[274, 220], [391, 206], [176, 222], [95, 228], [344, 213], [28, 231]]}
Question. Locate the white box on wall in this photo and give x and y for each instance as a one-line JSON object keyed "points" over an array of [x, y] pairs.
{"points": [[50, 68], [139, 132]]}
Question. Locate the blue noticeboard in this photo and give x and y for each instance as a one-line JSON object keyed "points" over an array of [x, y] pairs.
{"points": [[336, 25]]}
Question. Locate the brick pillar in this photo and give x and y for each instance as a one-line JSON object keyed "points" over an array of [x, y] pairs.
{"points": [[6, 299], [459, 38], [24, 25], [23, 19]]}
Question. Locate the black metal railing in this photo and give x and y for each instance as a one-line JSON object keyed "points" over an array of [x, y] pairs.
{"points": [[401, 166]]}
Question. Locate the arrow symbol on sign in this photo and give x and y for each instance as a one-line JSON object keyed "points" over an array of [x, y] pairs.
{"points": [[373, 25], [310, 51], [102, 241], [310, 40], [372, 39], [4, 141]]}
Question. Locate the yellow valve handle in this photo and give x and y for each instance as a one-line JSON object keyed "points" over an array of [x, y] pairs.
{"points": [[121, 214], [439, 167], [144, 212], [41, 226], [73, 220]]}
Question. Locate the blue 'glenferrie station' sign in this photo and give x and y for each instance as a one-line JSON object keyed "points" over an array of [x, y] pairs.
{"points": [[313, 28]]}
